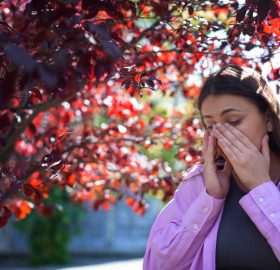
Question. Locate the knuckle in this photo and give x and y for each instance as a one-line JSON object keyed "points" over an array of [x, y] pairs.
{"points": [[235, 140]]}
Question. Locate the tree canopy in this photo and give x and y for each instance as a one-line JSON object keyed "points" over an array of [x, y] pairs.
{"points": [[73, 77]]}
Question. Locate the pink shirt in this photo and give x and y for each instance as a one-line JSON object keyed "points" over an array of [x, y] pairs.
{"points": [[184, 233]]}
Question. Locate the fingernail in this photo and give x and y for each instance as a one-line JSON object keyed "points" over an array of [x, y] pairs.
{"points": [[215, 130]]}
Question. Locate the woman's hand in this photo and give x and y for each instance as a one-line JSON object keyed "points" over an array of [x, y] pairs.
{"points": [[217, 182], [250, 164]]}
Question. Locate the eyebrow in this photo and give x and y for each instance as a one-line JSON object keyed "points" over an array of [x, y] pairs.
{"points": [[224, 112]]}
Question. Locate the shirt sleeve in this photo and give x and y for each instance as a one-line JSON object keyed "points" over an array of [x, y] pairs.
{"points": [[180, 229], [262, 204]]}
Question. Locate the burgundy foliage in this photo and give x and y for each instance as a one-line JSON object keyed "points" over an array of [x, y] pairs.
{"points": [[72, 74]]}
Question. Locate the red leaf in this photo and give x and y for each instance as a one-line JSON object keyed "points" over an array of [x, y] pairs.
{"points": [[37, 94], [191, 10], [52, 161], [37, 200], [7, 212], [3, 222], [241, 13], [141, 211], [137, 77], [46, 210], [31, 130], [5, 216], [97, 203], [274, 28], [70, 180], [106, 205], [38, 197], [27, 190], [129, 201]]}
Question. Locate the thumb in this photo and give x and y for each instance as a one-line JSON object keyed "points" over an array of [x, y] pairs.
{"points": [[265, 148]]}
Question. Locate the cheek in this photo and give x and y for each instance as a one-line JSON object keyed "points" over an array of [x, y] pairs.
{"points": [[254, 135]]}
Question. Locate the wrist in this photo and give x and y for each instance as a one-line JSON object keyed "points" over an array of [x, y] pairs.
{"points": [[216, 196], [255, 184]]}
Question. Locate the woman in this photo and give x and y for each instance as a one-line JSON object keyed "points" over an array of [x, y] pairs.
{"points": [[226, 217]]}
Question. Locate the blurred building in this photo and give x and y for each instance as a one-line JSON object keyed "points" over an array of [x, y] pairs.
{"points": [[117, 231]]}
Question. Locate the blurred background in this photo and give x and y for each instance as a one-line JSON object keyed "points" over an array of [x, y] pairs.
{"points": [[114, 239], [98, 121]]}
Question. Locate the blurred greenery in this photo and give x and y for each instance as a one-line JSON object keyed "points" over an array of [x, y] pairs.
{"points": [[164, 106], [48, 237]]}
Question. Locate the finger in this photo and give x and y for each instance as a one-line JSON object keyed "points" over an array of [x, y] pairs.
{"points": [[240, 136], [265, 148], [212, 145], [211, 149], [205, 141], [228, 149], [231, 137], [227, 143], [227, 168]]}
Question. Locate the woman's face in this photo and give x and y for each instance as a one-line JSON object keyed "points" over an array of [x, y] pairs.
{"points": [[238, 111]]}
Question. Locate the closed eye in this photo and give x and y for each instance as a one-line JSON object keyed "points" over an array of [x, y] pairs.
{"points": [[234, 123]]}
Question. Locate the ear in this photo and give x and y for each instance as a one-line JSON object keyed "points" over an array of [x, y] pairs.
{"points": [[268, 121]]}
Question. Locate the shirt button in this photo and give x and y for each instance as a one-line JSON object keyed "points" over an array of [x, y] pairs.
{"points": [[272, 215], [195, 226], [205, 210], [261, 200]]}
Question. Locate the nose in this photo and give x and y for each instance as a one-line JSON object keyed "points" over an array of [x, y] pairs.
{"points": [[219, 151]]}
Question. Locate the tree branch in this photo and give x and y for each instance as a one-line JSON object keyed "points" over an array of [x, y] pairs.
{"points": [[142, 34], [14, 134]]}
